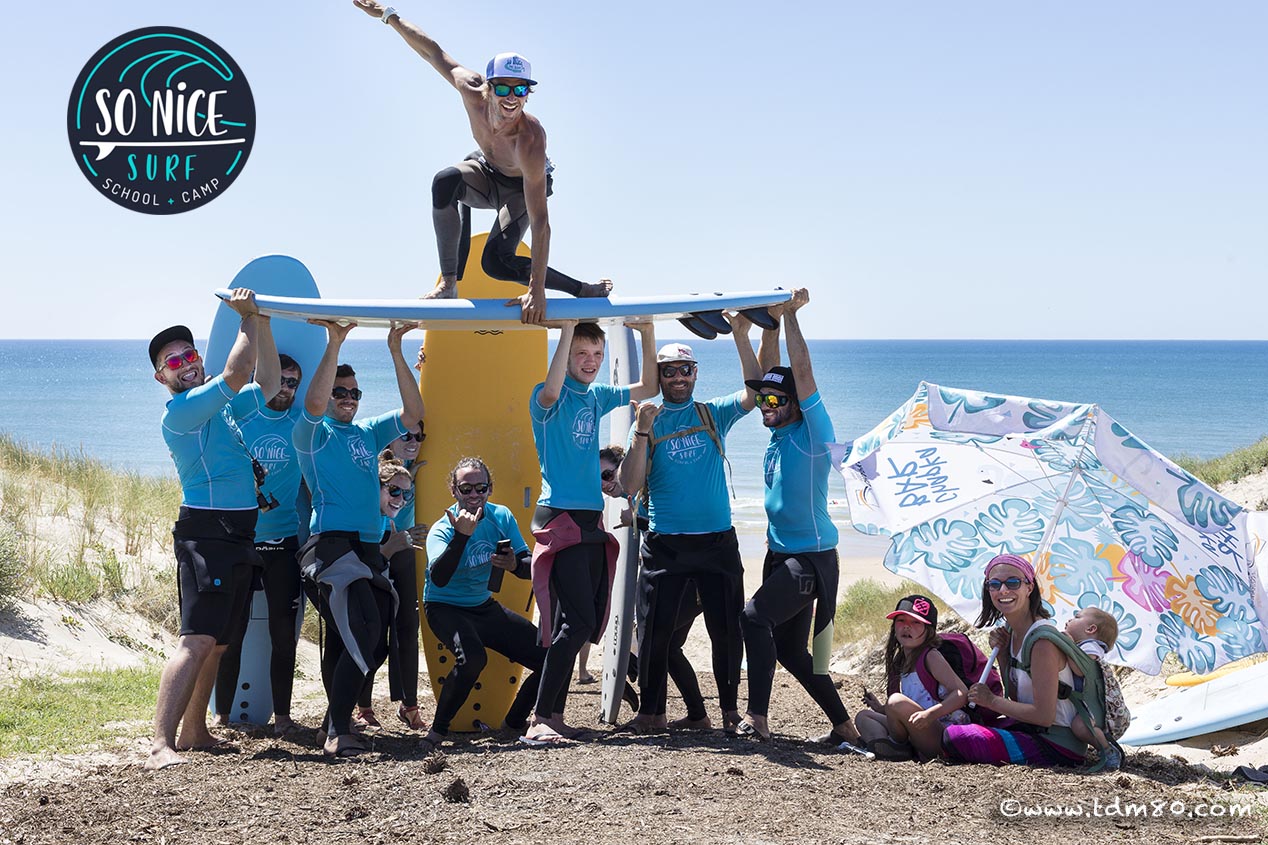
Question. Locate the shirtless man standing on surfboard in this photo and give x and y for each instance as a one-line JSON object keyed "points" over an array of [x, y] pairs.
{"points": [[510, 173]]}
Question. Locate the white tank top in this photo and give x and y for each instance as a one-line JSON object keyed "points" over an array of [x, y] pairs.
{"points": [[911, 686], [1025, 689]]}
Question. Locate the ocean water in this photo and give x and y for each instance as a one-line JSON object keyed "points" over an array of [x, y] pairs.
{"points": [[1195, 398]]}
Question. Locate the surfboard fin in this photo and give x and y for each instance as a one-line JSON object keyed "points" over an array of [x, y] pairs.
{"points": [[761, 318], [714, 320], [698, 327]]}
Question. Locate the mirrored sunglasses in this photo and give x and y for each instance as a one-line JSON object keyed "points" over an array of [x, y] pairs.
{"points": [[1013, 584], [506, 90], [772, 400], [174, 362], [670, 370]]}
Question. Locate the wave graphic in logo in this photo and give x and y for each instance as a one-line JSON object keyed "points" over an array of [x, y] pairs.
{"points": [[161, 120]]}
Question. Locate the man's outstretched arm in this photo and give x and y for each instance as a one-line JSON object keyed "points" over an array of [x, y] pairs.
{"points": [[798, 352], [423, 44]]}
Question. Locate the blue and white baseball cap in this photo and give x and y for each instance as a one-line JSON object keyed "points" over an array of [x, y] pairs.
{"points": [[510, 66]]}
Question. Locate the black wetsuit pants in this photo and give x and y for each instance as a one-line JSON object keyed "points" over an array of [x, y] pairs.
{"points": [[403, 685], [369, 610], [280, 581], [776, 623], [468, 632]]}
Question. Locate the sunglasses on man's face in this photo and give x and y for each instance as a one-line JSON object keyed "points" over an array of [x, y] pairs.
{"points": [[506, 90], [344, 393], [409, 435], [669, 370], [292, 383], [173, 362], [468, 489], [772, 400], [396, 492], [608, 474], [1013, 584]]}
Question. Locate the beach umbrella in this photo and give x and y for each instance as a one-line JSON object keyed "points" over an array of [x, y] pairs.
{"points": [[956, 477]]}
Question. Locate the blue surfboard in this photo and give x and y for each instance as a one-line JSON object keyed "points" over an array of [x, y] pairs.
{"points": [[278, 275]]}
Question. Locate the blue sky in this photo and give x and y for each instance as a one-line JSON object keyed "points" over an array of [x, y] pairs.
{"points": [[1081, 170]]}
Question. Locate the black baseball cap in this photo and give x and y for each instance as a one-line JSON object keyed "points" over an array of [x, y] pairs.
{"points": [[165, 337], [920, 608], [779, 378]]}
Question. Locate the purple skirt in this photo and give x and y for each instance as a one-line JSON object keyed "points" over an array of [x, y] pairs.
{"points": [[999, 746]]}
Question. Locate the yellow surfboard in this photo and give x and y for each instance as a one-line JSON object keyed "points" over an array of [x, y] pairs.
{"points": [[476, 386], [1191, 679]]}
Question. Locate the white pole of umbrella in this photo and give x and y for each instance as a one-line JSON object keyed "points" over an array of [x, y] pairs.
{"points": [[1075, 472]]}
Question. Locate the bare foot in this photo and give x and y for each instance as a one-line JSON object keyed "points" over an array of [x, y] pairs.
{"points": [[282, 725], [603, 287], [556, 723], [161, 758], [685, 724], [442, 290], [197, 739]]}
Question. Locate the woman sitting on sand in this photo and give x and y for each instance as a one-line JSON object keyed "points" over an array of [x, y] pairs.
{"points": [[912, 721], [1037, 731]]}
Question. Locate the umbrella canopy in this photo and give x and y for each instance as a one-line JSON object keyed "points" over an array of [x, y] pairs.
{"points": [[956, 477]]}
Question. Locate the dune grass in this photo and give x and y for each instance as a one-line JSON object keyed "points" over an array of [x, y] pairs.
{"points": [[1231, 467], [861, 611], [50, 714]]}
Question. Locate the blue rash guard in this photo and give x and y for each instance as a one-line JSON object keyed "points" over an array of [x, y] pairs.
{"points": [[567, 439], [267, 434], [687, 477], [340, 462], [797, 465], [469, 586], [207, 448]]}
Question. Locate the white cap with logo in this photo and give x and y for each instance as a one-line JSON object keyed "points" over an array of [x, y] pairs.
{"points": [[510, 66], [675, 352]]}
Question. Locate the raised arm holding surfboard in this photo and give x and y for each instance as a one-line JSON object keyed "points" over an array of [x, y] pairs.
{"points": [[510, 173]]}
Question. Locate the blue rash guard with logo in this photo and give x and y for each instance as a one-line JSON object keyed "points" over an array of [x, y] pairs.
{"points": [[797, 465], [469, 586], [340, 462], [267, 434], [567, 439], [687, 479], [206, 446]]}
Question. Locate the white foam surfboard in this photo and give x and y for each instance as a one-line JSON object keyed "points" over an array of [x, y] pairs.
{"points": [[619, 634], [461, 314], [1234, 699]]}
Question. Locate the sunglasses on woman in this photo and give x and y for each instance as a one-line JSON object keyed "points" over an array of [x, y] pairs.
{"points": [[395, 492], [772, 400], [468, 489], [409, 435], [505, 90], [669, 370], [608, 474], [344, 393], [1013, 584], [173, 362]]}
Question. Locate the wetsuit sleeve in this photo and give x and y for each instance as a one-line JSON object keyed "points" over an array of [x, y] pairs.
{"points": [[384, 428], [536, 411], [726, 410], [444, 551], [248, 401], [609, 397], [190, 410], [818, 423]]}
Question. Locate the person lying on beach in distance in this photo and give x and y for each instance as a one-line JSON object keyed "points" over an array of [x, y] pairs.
{"points": [[800, 573], [266, 425], [510, 173], [676, 454], [472, 540], [344, 572], [215, 529], [403, 678], [575, 557], [912, 719], [1009, 592]]}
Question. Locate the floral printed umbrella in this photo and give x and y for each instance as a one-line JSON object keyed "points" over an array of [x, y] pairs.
{"points": [[956, 477]]}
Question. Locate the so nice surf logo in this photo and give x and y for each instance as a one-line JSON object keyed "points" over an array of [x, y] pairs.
{"points": [[161, 120]]}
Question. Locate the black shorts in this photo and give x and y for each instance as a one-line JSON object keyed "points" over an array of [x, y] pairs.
{"points": [[215, 562]]}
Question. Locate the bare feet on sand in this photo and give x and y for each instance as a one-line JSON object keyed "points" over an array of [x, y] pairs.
{"points": [[198, 739], [162, 757], [442, 290], [603, 287]]}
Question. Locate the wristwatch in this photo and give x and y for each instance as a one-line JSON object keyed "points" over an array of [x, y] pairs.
{"points": [[387, 14]]}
